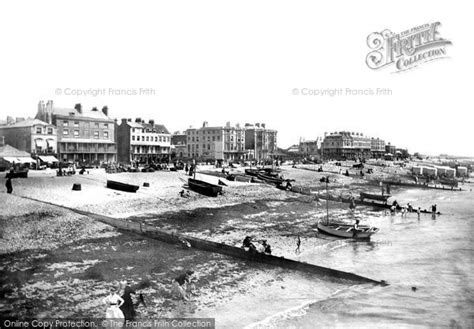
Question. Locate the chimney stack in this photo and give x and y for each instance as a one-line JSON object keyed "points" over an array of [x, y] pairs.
{"points": [[152, 123], [19, 119], [138, 120], [129, 120], [105, 110], [205, 124], [263, 125], [10, 120], [257, 125], [78, 107]]}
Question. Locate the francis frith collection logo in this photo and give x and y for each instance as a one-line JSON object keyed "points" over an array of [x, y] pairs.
{"points": [[406, 50]]}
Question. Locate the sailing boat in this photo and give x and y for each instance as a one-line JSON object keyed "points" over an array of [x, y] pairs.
{"points": [[343, 230]]}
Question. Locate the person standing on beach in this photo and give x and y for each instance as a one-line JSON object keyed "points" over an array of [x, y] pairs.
{"points": [[114, 313], [182, 284], [298, 245], [8, 184], [127, 307], [418, 211]]}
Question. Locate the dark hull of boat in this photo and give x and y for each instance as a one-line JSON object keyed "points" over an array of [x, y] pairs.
{"points": [[122, 186], [17, 174], [377, 197], [204, 188], [347, 231], [251, 172], [270, 179]]}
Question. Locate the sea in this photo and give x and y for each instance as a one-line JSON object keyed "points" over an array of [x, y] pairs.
{"points": [[427, 262]]}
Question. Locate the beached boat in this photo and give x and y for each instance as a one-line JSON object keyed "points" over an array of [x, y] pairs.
{"points": [[270, 179], [17, 174], [252, 172], [377, 197], [122, 186], [205, 188], [347, 231]]}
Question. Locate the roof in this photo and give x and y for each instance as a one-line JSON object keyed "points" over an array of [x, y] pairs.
{"points": [[134, 124], [62, 111], [10, 151], [161, 129], [27, 123]]}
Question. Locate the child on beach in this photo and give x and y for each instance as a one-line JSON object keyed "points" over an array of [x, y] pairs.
{"points": [[182, 285]]}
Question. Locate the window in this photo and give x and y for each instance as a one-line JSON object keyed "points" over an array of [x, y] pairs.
{"points": [[156, 139], [65, 132], [96, 124], [76, 133], [143, 138], [65, 123], [106, 125], [38, 130], [50, 131], [133, 138], [96, 134], [133, 130], [76, 124], [106, 134], [147, 138]]}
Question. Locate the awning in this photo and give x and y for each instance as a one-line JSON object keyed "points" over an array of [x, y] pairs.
{"points": [[48, 158], [39, 142], [26, 160], [10, 159]]}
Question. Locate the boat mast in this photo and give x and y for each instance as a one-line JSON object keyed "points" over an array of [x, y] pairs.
{"points": [[327, 201], [194, 168]]}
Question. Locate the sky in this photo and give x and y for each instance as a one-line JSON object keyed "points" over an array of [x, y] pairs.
{"points": [[185, 62]]}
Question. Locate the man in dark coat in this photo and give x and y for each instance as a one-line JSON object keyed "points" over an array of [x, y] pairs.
{"points": [[8, 184], [127, 307]]}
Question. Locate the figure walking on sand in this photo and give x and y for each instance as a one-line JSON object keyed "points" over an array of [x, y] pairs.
{"points": [[298, 245], [113, 313], [8, 184]]}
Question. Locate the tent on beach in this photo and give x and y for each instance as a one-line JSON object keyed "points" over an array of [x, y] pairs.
{"points": [[10, 155]]}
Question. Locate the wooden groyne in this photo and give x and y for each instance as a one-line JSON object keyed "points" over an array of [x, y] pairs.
{"points": [[201, 244]]}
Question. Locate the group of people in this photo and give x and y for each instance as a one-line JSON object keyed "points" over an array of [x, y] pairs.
{"points": [[262, 245], [183, 285], [121, 308]]}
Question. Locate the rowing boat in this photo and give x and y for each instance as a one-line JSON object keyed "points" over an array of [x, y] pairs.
{"points": [[270, 179], [377, 197], [347, 231], [204, 188], [122, 186]]}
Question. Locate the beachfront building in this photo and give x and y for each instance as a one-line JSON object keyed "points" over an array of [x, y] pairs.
{"points": [[377, 147], [178, 145], [346, 145], [310, 148], [142, 142], [218, 143], [83, 137], [34, 136], [260, 142], [390, 149]]}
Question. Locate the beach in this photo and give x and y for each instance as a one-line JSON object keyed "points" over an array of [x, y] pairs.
{"points": [[56, 262]]}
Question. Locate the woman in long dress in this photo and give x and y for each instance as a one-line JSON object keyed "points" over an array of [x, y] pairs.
{"points": [[113, 312]]}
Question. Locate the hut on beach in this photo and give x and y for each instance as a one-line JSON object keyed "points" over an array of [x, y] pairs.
{"points": [[10, 156], [462, 171]]}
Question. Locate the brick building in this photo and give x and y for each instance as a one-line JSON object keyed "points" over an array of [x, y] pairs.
{"points": [[84, 137]]}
